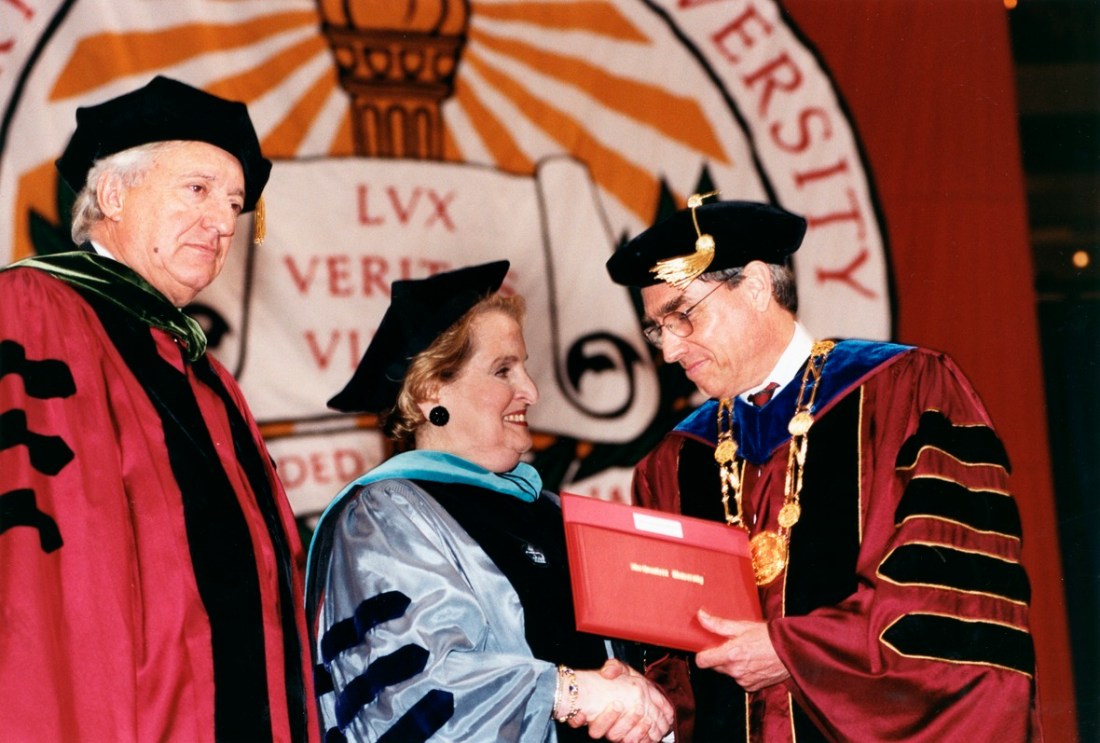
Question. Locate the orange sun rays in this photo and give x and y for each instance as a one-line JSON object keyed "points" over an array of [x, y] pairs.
{"points": [[677, 117], [112, 55], [631, 184]]}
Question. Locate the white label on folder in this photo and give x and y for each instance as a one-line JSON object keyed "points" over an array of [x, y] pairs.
{"points": [[658, 525]]}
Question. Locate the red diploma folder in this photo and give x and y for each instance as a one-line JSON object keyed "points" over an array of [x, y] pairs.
{"points": [[640, 574]]}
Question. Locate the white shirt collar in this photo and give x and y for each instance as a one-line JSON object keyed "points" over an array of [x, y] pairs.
{"points": [[790, 361], [102, 250]]}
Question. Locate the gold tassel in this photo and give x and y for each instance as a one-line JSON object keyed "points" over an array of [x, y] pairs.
{"points": [[684, 269], [259, 223]]}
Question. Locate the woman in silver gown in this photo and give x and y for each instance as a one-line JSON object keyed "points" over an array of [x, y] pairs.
{"points": [[437, 584]]}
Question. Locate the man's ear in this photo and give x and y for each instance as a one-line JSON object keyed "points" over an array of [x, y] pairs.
{"points": [[110, 193], [757, 284]]}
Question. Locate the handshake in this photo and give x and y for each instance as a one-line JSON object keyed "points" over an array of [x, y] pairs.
{"points": [[615, 702]]}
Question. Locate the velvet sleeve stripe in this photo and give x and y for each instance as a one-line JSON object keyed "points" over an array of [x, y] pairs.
{"points": [[42, 379], [982, 510], [955, 640], [347, 633], [972, 445], [322, 681], [48, 454], [20, 508], [940, 566], [398, 666], [423, 720]]}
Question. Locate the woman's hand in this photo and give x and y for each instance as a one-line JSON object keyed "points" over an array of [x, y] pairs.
{"points": [[620, 704]]}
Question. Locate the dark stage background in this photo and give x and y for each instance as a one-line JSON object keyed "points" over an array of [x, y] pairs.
{"points": [[1056, 46]]}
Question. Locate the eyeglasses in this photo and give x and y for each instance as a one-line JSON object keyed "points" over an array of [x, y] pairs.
{"points": [[678, 323]]}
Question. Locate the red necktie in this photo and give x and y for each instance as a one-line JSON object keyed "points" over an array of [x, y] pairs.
{"points": [[761, 398]]}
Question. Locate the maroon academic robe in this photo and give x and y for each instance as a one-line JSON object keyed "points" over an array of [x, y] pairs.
{"points": [[903, 612], [150, 568]]}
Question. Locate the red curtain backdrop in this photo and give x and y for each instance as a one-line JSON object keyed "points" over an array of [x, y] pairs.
{"points": [[932, 94]]}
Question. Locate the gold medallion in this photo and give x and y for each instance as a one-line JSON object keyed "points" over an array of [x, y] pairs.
{"points": [[789, 515], [725, 451], [800, 423], [769, 556]]}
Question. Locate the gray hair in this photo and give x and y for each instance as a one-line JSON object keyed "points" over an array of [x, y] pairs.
{"points": [[783, 287], [130, 165]]}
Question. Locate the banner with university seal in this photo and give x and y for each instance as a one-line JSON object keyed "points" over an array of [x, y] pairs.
{"points": [[412, 137]]}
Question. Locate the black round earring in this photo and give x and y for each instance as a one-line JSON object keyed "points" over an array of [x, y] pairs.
{"points": [[439, 416]]}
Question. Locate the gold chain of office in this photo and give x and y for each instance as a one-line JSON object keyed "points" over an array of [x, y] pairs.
{"points": [[770, 549]]}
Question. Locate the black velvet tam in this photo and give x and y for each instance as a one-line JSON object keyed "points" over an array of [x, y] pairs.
{"points": [[420, 310], [164, 110], [743, 231]]}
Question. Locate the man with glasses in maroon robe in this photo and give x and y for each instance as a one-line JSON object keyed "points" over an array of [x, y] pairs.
{"points": [[874, 491]]}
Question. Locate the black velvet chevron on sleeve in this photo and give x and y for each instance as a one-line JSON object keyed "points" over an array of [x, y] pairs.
{"points": [[942, 566], [43, 379], [968, 444], [981, 510], [955, 640]]}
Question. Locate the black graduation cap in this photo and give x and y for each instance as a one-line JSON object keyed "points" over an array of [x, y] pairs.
{"points": [[704, 238], [165, 109], [420, 310]]}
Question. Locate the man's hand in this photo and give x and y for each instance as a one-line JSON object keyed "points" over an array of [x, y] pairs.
{"points": [[748, 656]]}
